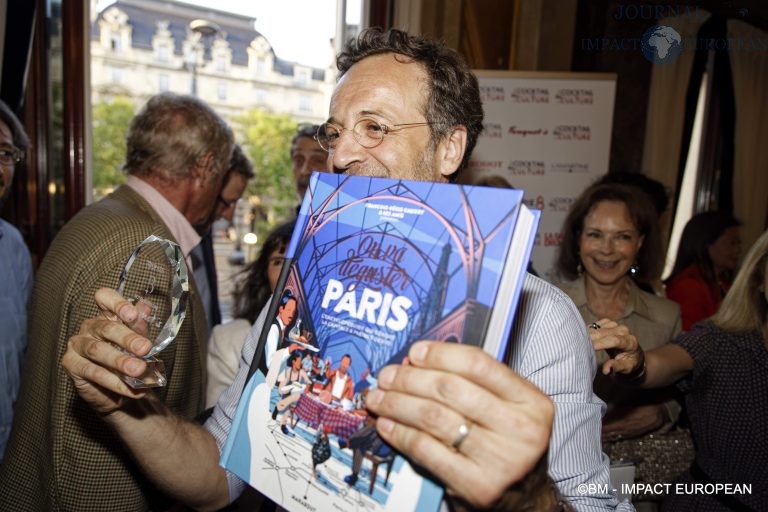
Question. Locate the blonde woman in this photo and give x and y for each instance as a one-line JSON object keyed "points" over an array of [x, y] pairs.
{"points": [[722, 366]]}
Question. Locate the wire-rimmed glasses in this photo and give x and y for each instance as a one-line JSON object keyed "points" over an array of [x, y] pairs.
{"points": [[367, 132], [10, 155]]}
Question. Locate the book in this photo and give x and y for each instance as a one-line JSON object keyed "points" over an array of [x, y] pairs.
{"points": [[373, 265]]}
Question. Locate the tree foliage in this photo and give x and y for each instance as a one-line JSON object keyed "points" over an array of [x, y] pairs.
{"points": [[266, 139], [110, 127]]}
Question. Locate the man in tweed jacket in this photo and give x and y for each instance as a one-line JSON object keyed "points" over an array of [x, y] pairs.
{"points": [[62, 456]]}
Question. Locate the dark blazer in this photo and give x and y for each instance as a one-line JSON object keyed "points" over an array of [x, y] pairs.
{"points": [[209, 260], [61, 455]]}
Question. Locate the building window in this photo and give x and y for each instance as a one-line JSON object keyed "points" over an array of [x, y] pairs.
{"points": [[261, 96], [261, 66], [162, 83], [305, 104], [116, 75], [221, 91], [221, 63], [302, 77], [163, 55], [115, 43]]}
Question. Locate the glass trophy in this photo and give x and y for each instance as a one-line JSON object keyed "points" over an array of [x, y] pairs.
{"points": [[155, 280]]}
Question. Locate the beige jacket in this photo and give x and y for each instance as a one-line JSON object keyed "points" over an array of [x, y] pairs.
{"points": [[61, 455], [653, 320]]}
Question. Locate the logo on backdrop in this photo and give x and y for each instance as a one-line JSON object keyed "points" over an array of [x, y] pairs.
{"points": [[569, 168], [536, 95], [661, 44], [526, 168], [490, 93], [491, 131], [579, 132], [484, 165], [526, 132], [574, 97], [560, 204], [552, 238], [534, 202]]}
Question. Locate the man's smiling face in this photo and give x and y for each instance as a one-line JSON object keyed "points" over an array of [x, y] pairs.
{"points": [[391, 92]]}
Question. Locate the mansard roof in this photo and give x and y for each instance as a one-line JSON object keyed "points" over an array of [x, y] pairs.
{"points": [[143, 16]]}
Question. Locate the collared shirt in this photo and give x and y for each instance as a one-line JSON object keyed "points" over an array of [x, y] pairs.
{"points": [[653, 320], [551, 348], [176, 222], [15, 289]]}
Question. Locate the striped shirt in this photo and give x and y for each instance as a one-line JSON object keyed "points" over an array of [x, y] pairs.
{"points": [[551, 348]]}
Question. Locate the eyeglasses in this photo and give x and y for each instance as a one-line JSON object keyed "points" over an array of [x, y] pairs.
{"points": [[366, 132], [10, 155]]}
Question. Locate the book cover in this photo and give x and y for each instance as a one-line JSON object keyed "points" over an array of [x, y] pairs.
{"points": [[373, 265]]}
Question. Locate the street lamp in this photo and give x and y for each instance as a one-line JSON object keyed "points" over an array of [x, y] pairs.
{"points": [[204, 29]]}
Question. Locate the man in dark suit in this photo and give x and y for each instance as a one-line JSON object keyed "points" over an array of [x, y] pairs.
{"points": [[61, 455], [203, 258]]}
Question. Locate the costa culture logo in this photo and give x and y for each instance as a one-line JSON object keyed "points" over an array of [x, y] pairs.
{"points": [[526, 132], [492, 131], [560, 204], [579, 132], [490, 93], [569, 168], [537, 95], [526, 168], [574, 97], [486, 165]]}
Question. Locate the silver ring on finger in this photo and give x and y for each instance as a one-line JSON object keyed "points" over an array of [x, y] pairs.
{"points": [[461, 435]]}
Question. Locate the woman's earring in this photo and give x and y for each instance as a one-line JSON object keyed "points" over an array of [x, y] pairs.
{"points": [[634, 269], [579, 269]]}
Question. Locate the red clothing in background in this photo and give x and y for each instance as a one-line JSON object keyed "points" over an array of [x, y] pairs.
{"points": [[698, 299]]}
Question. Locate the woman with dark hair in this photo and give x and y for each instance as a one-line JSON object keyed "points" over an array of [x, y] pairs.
{"points": [[722, 367], [610, 239], [707, 258], [250, 296]]}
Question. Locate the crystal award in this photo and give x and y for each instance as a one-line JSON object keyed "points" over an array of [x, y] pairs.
{"points": [[155, 280]]}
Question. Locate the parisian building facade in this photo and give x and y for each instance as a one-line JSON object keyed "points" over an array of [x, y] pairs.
{"points": [[142, 47]]}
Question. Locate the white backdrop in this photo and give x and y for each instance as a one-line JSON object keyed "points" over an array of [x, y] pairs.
{"points": [[548, 134]]}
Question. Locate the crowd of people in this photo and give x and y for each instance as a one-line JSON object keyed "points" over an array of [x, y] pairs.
{"points": [[606, 355]]}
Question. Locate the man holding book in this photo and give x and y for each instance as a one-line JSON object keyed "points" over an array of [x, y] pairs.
{"points": [[407, 108]]}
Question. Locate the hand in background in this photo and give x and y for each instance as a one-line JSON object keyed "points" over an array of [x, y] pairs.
{"points": [[625, 353], [423, 406]]}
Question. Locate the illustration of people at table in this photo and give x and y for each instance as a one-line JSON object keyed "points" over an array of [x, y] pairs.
{"points": [[340, 385], [291, 385]]}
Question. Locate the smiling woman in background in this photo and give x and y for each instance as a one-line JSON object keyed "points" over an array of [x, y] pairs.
{"points": [[722, 367], [610, 238], [707, 257]]}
